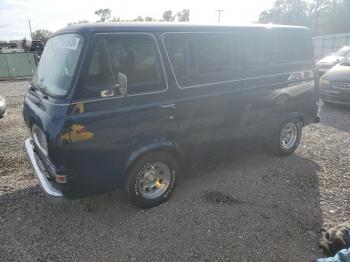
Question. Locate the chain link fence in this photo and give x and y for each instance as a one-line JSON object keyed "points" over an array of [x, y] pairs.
{"points": [[327, 44], [17, 65]]}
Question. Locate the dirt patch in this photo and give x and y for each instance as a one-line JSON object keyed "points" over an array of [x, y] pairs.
{"points": [[221, 198]]}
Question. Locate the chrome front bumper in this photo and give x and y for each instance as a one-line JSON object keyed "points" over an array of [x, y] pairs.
{"points": [[44, 182], [336, 95]]}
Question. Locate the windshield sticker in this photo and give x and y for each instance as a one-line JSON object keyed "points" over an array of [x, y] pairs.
{"points": [[71, 43]]}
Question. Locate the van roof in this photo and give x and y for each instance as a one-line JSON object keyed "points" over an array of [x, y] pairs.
{"points": [[169, 27]]}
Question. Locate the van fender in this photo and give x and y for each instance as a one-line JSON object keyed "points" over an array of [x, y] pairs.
{"points": [[276, 124], [153, 146], [298, 115]]}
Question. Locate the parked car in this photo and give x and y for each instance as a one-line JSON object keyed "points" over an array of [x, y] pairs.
{"points": [[129, 104], [2, 106], [328, 62], [335, 84], [36, 46]]}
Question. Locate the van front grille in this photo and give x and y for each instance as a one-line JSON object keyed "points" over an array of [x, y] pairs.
{"points": [[341, 84]]}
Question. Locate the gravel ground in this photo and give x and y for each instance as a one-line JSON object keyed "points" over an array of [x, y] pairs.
{"points": [[246, 206]]}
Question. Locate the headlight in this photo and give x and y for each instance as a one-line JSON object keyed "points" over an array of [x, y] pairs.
{"points": [[39, 139], [2, 101], [324, 83]]}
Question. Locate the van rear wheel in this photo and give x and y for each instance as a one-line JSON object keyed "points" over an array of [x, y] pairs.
{"points": [[151, 179], [286, 138]]}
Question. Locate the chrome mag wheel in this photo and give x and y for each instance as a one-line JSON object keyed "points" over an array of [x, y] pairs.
{"points": [[289, 136], [154, 179]]}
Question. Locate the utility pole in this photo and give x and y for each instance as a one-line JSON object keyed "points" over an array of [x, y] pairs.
{"points": [[30, 29], [219, 14]]}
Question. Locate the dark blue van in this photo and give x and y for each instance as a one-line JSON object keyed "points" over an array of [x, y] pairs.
{"points": [[124, 104]]}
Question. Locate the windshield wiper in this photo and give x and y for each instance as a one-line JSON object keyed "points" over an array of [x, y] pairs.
{"points": [[33, 87]]}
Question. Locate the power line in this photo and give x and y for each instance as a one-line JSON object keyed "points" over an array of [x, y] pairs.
{"points": [[30, 30], [219, 14]]}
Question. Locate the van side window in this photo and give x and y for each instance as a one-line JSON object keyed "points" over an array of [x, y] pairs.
{"points": [[283, 50], [202, 58], [256, 51], [135, 56], [291, 48], [99, 74], [178, 51], [213, 55]]}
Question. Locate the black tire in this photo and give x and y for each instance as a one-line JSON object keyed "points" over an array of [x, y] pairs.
{"points": [[274, 144], [131, 186]]}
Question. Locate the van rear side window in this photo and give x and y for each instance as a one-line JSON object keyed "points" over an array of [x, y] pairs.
{"points": [[291, 48], [255, 49], [213, 55], [135, 56], [203, 58]]}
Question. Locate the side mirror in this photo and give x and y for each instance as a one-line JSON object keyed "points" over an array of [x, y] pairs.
{"points": [[122, 84], [120, 88]]}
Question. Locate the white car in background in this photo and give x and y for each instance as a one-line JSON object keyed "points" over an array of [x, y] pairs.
{"points": [[2, 106], [335, 84], [331, 60]]}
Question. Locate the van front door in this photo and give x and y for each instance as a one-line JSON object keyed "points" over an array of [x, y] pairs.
{"points": [[107, 126]]}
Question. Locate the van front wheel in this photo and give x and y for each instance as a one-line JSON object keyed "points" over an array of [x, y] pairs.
{"points": [[151, 179], [286, 138]]}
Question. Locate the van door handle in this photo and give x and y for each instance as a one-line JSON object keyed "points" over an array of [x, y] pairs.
{"points": [[168, 106]]}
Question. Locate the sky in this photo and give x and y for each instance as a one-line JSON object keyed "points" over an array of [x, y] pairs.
{"points": [[55, 14]]}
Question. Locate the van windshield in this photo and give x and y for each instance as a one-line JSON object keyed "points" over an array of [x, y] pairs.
{"points": [[343, 51], [346, 61], [57, 65]]}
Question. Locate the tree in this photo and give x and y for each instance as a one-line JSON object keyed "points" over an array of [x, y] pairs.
{"points": [[343, 18], [41, 34], [138, 19], [168, 16], [292, 12], [115, 19], [149, 19], [323, 16], [104, 14], [77, 23], [320, 12], [184, 15]]}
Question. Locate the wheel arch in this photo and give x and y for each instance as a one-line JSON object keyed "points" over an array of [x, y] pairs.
{"points": [[166, 146], [297, 115]]}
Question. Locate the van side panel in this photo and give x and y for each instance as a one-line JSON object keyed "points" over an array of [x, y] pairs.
{"points": [[269, 82], [206, 108], [188, 86]]}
